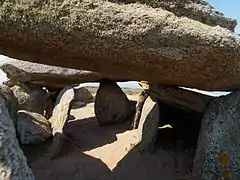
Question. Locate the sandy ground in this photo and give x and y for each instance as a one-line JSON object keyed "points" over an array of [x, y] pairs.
{"points": [[111, 152]]}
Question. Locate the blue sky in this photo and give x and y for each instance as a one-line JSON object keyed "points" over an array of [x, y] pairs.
{"points": [[230, 8]]}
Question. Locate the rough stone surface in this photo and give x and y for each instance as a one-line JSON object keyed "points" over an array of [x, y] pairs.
{"points": [[139, 106], [218, 151], [32, 128], [148, 125], [31, 98], [13, 164], [82, 94], [182, 98], [143, 42], [198, 10], [59, 119], [111, 104], [11, 102], [51, 77]]}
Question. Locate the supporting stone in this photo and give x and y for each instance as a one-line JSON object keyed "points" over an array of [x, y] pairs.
{"points": [[59, 119], [13, 164], [218, 151], [111, 104], [11, 102], [148, 125], [139, 106]]}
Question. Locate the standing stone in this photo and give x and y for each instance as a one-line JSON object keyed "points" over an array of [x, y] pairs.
{"points": [[59, 119], [111, 104], [218, 151], [13, 163], [31, 97], [32, 128], [139, 106], [148, 125], [11, 102]]}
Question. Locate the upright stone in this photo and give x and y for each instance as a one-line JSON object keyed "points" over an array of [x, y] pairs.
{"points": [[59, 119], [13, 164], [148, 125], [11, 102], [32, 128], [111, 104], [218, 151], [139, 106]]}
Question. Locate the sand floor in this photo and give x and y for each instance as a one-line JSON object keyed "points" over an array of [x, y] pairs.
{"points": [[111, 153]]}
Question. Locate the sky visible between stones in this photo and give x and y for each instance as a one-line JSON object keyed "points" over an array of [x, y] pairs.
{"points": [[230, 8]]}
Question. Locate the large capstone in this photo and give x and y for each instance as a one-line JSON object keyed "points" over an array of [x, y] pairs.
{"points": [[134, 41]]}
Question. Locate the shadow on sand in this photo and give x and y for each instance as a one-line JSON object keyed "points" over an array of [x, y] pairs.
{"points": [[171, 159]]}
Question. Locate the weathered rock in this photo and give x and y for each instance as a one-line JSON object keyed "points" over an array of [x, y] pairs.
{"points": [[11, 102], [31, 98], [82, 94], [218, 151], [111, 104], [198, 10], [182, 98], [32, 128], [59, 119], [148, 125], [139, 106], [13, 164], [111, 38], [51, 77]]}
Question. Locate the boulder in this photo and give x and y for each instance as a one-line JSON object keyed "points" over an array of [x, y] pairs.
{"points": [[132, 41], [111, 104], [13, 163], [218, 150], [148, 125], [182, 98], [11, 102], [59, 119], [82, 94], [182, 109], [32, 128], [198, 10], [52, 77], [31, 98]]}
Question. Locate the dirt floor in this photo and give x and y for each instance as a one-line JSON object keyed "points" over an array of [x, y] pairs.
{"points": [[111, 152]]}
